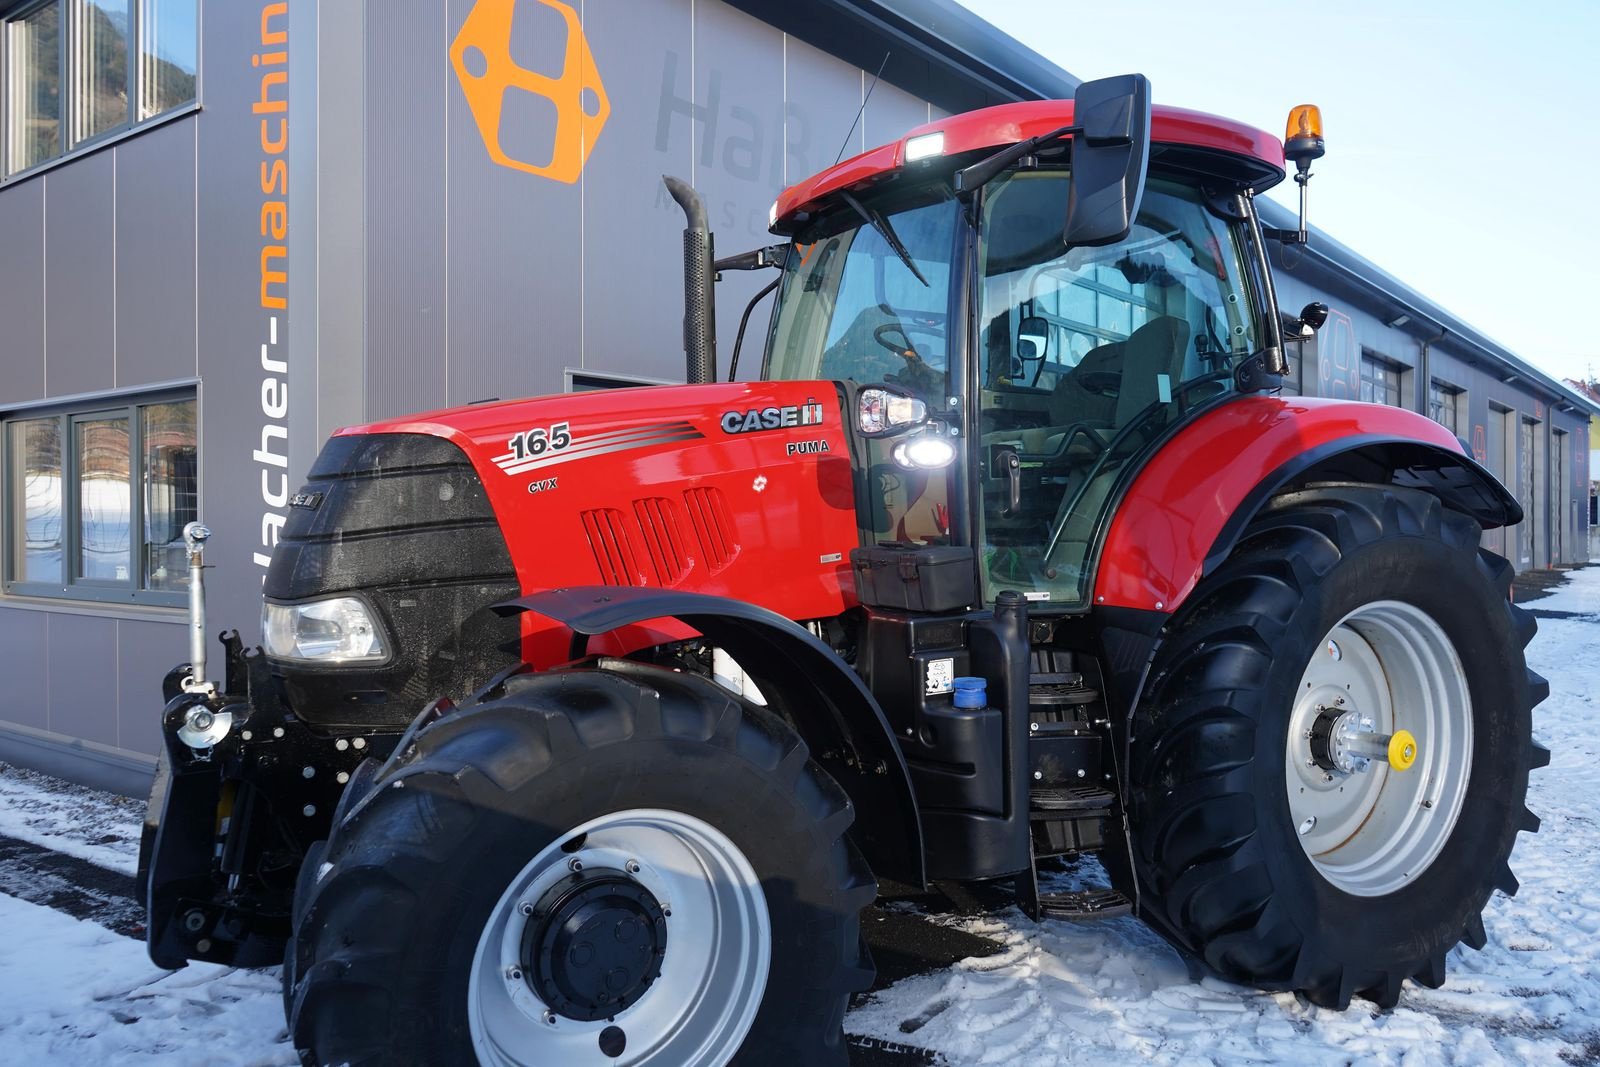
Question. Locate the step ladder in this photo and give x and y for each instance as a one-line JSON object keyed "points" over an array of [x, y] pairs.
{"points": [[1065, 818], [1084, 904]]}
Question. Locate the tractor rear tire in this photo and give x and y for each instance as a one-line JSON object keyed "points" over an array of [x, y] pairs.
{"points": [[1335, 595], [636, 813]]}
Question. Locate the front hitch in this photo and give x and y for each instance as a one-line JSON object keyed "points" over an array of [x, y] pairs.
{"points": [[243, 786], [230, 821]]}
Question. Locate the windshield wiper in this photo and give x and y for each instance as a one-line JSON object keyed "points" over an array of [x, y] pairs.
{"points": [[892, 239], [987, 169]]}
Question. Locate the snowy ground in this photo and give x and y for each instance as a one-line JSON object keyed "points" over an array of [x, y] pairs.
{"points": [[72, 991]]}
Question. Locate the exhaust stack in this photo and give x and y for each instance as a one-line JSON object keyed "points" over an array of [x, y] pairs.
{"points": [[699, 296]]}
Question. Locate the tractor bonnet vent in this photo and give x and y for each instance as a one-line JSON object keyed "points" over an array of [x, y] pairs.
{"points": [[613, 552], [671, 545], [713, 526], [663, 537]]}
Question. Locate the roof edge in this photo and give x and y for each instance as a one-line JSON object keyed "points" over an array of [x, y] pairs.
{"points": [[934, 49]]}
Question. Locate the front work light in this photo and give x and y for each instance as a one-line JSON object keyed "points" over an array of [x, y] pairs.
{"points": [[925, 452], [925, 147], [334, 631]]}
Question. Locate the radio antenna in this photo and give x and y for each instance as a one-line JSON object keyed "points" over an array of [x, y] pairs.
{"points": [[862, 109]]}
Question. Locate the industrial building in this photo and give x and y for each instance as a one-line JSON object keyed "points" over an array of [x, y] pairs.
{"points": [[227, 229]]}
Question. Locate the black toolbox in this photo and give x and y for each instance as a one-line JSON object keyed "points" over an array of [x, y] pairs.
{"points": [[908, 577]]}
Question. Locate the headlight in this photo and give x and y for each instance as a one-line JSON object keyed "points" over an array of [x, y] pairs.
{"points": [[338, 630]]}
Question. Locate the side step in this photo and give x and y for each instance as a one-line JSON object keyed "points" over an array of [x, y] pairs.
{"points": [[1069, 800], [1085, 905], [1068, 819]]}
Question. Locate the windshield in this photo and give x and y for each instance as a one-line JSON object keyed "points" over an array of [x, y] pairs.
{"points": [[850, 309]]}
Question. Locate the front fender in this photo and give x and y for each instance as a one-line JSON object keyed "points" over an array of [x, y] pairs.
{"points": [[826, 700], [1185, 510]]}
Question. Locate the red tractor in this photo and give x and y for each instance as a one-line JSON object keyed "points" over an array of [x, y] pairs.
{"points": [[584, 725]]}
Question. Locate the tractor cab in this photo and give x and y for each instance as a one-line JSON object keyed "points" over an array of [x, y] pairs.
{"points": [[1043, 352]]}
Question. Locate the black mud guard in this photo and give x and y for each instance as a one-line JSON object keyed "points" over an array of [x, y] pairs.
{"points": [[827, 702], [1459, 481]]}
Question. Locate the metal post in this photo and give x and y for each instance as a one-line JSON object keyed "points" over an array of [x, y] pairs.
{"points": [[194, 540], [1302, 179]]}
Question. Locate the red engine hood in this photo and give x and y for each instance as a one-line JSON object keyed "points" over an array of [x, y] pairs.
{"points": [[740, 489]]}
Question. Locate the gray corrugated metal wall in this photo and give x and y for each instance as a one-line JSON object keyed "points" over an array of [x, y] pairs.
{"points": [[486, 281]]}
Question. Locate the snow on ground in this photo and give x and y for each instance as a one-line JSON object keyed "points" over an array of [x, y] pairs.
{"points": [[85, 823], [72, 992], [1579, 595]]}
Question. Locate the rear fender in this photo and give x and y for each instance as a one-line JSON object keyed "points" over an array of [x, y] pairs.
{"points": [[1459, 481], [1186, 509], [802, 679]]}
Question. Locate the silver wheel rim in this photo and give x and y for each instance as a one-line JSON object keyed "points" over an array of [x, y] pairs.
{"points": [[1373, 831], [713, 973]]}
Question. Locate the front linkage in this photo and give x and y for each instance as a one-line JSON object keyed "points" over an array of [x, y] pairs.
{"points": [[243, 787]]}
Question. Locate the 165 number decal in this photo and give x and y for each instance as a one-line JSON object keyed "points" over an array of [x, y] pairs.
{"points": [[538, 441]]}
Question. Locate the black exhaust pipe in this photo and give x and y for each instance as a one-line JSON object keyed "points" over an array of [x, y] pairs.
{"points": [[699, 296]]}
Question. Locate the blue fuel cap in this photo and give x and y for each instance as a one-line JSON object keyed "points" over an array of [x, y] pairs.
{"points": [[971, 692]]}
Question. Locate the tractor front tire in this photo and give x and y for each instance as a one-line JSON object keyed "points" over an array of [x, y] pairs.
{"points": [[591, 863], [1262, 842]]}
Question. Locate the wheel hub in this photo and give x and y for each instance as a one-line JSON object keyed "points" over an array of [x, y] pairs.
{"points": [[594, 944], [1346, 742]]}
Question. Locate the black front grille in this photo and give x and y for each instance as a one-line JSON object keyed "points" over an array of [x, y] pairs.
{"points": [[403, 521]]}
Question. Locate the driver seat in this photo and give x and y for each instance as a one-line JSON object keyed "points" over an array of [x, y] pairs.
{"points": [[1157, 348]]}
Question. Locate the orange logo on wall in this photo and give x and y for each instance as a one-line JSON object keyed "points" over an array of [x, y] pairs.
{"points": [[490, 77]]}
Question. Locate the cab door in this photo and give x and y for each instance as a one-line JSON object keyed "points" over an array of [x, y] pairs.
{"points": [[1085, 357]]}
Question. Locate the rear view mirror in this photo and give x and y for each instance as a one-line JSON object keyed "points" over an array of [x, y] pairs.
{"points": [[1033, 339], [1110, 155]]}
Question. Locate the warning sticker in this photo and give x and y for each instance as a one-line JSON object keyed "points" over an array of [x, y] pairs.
{"points": [[941, 676]]}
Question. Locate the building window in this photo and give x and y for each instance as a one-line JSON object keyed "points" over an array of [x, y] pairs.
{"points": [[33, 92], [1380, 380], [1445, 402], [96, 500], [579, 381], [81, 70], [169, 43]]}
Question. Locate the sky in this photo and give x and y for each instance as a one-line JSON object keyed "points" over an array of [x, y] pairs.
{"points": [[1463, 137]]}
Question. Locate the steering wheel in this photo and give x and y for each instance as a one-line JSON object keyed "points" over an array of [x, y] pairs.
{"points": [[904, 348]]}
